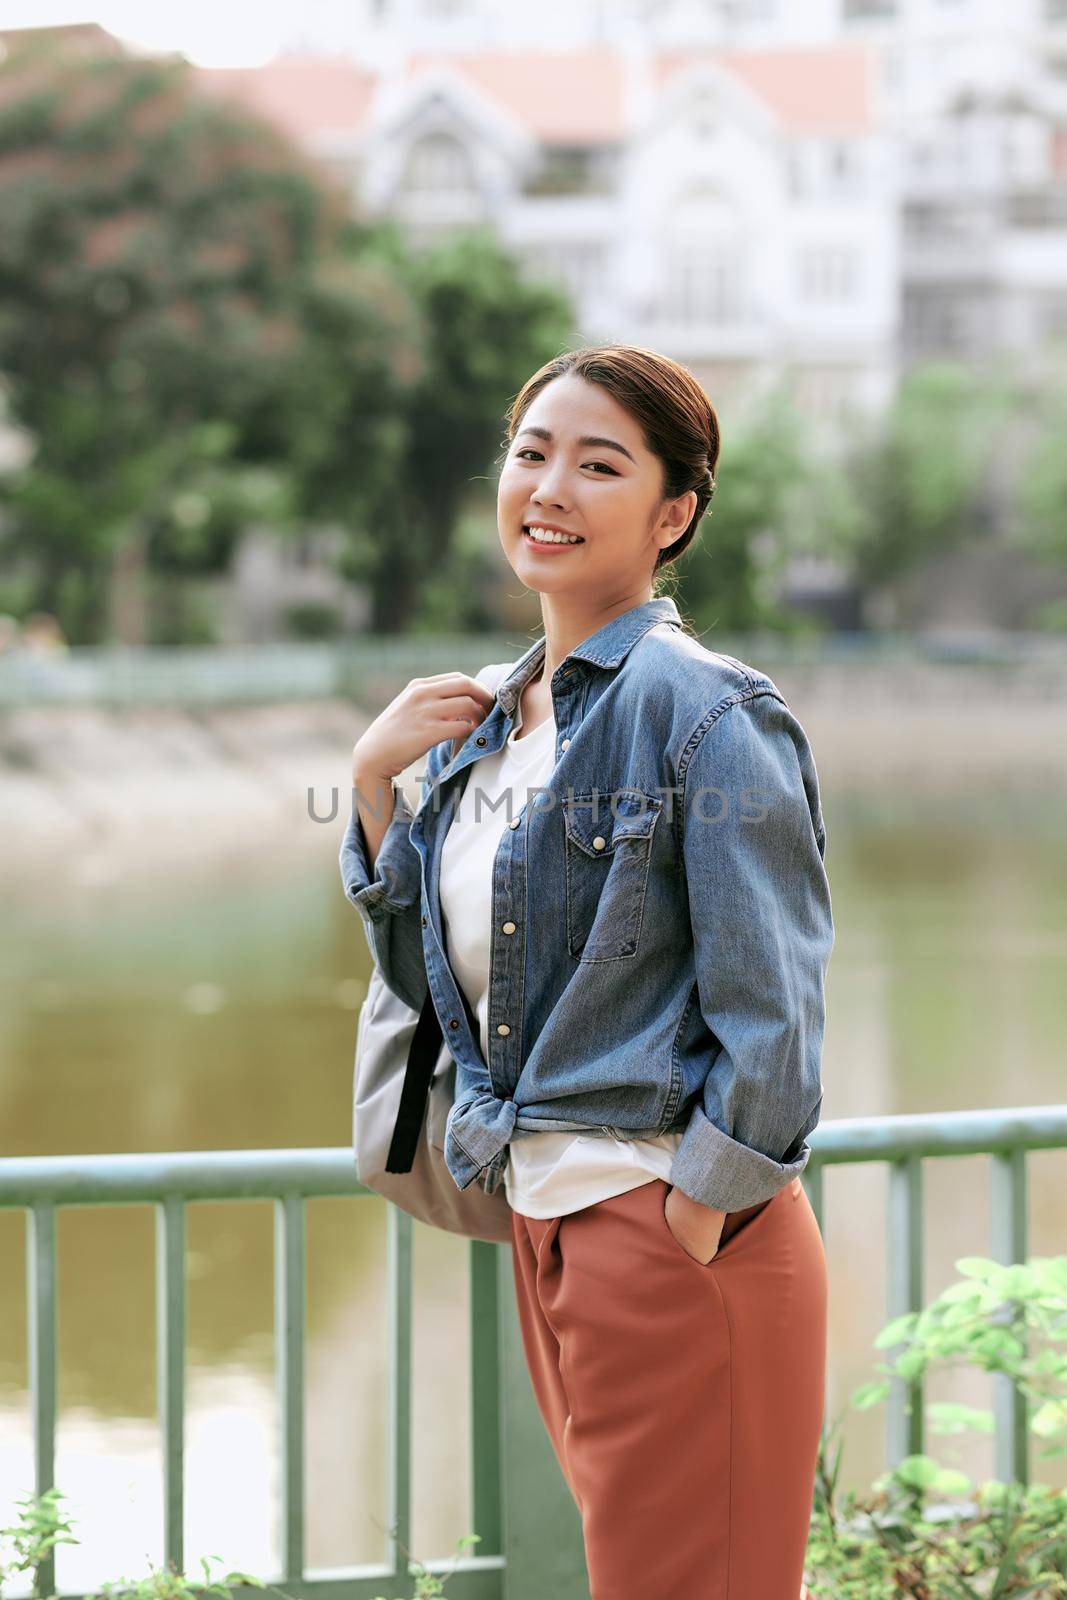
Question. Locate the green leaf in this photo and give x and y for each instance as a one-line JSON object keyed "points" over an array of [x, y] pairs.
{"points": [[916, 1472], [869, 1394], [1049, 1418], [978, 1267], [896, 1331]]}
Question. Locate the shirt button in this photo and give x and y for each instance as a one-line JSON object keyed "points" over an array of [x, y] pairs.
{"points": [[599, 843], [564, 743], [502, 1027], [509, 927], [515, 823], [481, 739], [424, 922], [453, 1022]]}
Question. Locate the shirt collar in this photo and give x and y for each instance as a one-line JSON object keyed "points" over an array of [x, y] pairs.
{"points": [[607, 647]]}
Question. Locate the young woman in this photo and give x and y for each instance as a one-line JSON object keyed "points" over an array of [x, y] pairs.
{"points": [[625, 929]]}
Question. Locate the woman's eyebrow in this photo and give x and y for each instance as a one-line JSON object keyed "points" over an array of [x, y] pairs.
{"points": [[588, 439]]}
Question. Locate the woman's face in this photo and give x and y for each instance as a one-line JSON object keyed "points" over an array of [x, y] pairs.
{"points": [[578, 463]]}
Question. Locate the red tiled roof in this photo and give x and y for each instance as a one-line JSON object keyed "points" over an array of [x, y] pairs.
{"points": [[829, 89], [561, 97]]}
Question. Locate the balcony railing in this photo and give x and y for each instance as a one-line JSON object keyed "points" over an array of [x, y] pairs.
{"points": [[515, 1485]]}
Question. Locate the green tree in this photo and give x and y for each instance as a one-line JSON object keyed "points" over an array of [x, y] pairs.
{"points": [[1041, 484], [178, 333], [730, 576], [483, 329], [923, 474]]}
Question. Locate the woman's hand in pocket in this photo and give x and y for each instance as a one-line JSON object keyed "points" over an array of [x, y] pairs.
{"points": [[696, 1227]]}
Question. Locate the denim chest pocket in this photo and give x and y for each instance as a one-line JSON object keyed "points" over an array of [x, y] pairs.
{"points": [[607, 854]]}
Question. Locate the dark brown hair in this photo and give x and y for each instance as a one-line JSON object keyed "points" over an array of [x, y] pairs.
{"points": [[677, 419]]}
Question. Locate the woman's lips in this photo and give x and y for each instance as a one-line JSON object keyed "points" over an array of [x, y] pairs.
{"points": [[553, 545]]}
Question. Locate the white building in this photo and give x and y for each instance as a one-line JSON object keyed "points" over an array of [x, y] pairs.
{"points": [[977, 94], [736, 208], [829, 190], [959, 131]]}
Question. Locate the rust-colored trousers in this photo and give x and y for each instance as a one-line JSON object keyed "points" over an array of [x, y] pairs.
{"points": [[684, 1401]]}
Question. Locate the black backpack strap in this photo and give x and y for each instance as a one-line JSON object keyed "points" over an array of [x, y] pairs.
{"points": [[422, 1059]]}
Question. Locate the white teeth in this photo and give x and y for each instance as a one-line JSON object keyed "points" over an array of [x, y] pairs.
{"points": [[549, 536]]}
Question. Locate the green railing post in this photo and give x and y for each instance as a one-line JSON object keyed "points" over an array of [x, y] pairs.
{"points": [[485, 1387], [813, 1185], [398, 1432], [170, 1370], [41, 1307], [1008, 1229], [290, 1322], [904, 1420]]}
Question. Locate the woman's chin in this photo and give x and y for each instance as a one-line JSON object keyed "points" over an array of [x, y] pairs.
{"points": [[533, 576]]}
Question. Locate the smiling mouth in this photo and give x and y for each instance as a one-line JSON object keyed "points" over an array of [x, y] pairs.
{"points": [[551, 541]]}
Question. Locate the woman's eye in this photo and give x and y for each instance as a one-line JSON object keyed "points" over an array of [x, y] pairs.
{"points": [[528, 450]]}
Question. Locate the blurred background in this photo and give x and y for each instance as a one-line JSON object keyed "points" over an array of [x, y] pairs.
{"points": [[268, 279]]}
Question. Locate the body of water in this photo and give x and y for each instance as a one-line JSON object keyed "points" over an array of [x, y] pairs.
{"points": [[202, 994]]}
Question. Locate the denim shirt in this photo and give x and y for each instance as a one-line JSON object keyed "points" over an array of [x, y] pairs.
{"points": [[661, 916]]}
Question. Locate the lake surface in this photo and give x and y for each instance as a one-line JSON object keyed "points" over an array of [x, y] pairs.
{"points": [[208, 1001]]}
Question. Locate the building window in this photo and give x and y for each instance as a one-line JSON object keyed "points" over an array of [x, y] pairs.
{"points": [[438, 164], [829, 275], [858, 10], [1037, 208], [568, 169], [940, 320], [580, 265], [1053, 317], [945, 223], [703, 284]]}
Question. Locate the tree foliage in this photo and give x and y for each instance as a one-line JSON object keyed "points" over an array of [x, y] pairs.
{"points": [[159, 262], [731, 574], [484, 329], [923, 473]]}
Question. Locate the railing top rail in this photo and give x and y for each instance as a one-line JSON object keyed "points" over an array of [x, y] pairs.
{"points": [[328, 1171], [940, 1133], [193, 1174], [192, 674]]}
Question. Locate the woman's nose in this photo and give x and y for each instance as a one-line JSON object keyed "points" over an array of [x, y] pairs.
{"points": [[549, 490]]}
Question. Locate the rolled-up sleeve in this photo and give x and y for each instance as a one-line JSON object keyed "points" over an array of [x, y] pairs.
{"points": [[388, 896], [759, 900]]}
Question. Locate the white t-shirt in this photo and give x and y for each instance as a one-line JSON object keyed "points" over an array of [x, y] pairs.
{"points": [[549, 1173]]}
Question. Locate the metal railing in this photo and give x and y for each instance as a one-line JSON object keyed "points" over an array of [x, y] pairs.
{"points": [[368, 665], [171, 1182], [500, 1425], [1006, 1136]]}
